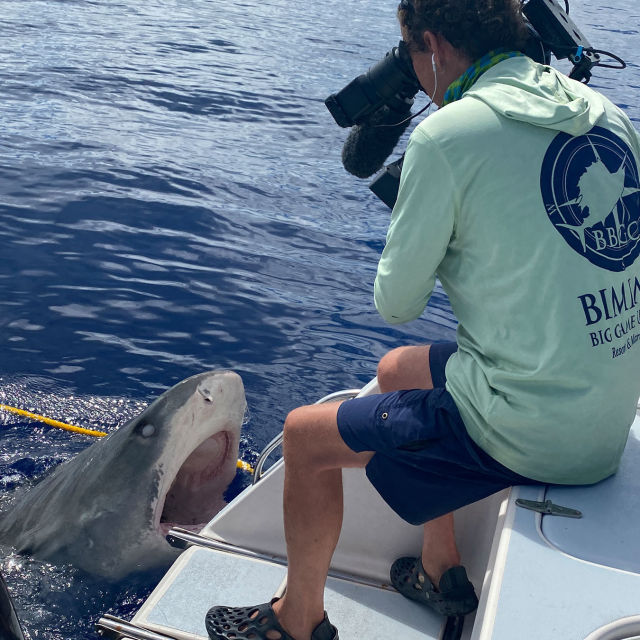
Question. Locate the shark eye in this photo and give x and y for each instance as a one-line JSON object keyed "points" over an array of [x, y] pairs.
{"points": [[147, 430]]}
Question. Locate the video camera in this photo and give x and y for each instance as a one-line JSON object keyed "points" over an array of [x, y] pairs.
{"points": [[392, 85]]}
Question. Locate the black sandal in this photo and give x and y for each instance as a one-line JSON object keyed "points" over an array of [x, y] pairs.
{"points": [[253, 623], [455, 597]]}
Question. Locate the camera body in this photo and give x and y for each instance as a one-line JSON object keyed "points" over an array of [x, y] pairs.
{"points": [[392, 81]]}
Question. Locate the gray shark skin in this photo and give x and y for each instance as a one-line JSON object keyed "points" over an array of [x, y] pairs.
{"points": [[107, 510]]}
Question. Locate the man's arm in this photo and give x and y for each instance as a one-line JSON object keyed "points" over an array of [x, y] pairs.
{"points": [[422, 224]]}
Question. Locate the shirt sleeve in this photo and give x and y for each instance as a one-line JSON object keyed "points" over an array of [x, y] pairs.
{"points": [[422, 223]]}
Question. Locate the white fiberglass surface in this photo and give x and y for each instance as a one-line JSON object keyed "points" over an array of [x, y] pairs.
{"points": [[607, 534]]}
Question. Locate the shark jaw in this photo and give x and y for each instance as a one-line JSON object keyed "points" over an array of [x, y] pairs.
{"points": [[199, 461], [196, 492]]}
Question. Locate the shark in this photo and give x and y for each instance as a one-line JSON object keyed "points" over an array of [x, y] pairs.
{"points": [[107, 510], [10, 628]]}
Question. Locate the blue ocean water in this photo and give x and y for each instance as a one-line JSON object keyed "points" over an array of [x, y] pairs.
{"points": [[172, 200]]}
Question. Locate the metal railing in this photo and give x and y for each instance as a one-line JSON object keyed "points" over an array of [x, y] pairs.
{"points": [[112, 627], [183, 539]]}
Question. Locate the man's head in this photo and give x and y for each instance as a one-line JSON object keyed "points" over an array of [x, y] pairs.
{"points": [[444, 37], [474, 27]]}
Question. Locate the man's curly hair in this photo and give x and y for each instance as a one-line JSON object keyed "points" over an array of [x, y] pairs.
{"points": [[475, 27]]}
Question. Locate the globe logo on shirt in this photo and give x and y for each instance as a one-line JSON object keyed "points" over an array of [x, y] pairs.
{"points": [[591, 192]]}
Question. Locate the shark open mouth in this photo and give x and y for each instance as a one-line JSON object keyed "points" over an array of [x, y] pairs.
{"points": [[195, 495]]}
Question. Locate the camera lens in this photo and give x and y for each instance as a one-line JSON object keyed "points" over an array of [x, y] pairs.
{"points": [[391, 82]]}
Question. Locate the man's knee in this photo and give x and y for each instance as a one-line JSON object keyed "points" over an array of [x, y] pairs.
{"points": [[302, 437], [295, 428], [405, 368], [312, 440], [389, 369]]}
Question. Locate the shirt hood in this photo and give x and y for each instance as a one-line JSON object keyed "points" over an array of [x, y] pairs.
{"points": [[523, 90]]}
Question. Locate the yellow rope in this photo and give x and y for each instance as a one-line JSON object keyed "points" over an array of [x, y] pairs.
{"points": [[53, 423], [244, 466]]}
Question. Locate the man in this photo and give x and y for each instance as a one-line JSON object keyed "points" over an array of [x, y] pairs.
{"points": [[522, 195]]}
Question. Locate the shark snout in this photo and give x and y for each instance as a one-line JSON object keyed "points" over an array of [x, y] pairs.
{"points": [[221, 385]]}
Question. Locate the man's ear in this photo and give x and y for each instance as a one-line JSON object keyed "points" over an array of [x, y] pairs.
{"points": [[440, 47], [432, 44]]}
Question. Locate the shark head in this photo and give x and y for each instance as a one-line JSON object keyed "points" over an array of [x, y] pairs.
{"points": [[107, 510], [189, 438]]}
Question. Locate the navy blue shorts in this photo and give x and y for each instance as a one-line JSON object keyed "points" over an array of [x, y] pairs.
{"points": [[425, 462]]}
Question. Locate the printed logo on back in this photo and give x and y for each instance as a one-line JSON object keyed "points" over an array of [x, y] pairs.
{"points": [[591, 191]]}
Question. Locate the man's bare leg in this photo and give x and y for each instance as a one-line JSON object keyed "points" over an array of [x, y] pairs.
{"points": [[439, 549], [314, 455], [408, 368]]}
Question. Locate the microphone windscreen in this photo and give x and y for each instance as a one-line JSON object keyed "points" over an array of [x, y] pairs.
{"points": [[368, 145]]}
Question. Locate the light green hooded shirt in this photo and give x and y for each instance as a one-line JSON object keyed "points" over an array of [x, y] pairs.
{"points": [[523, 199]]}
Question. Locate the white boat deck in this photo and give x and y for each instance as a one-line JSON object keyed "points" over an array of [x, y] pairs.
{"points": [[539, 577], [202, 577]]}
